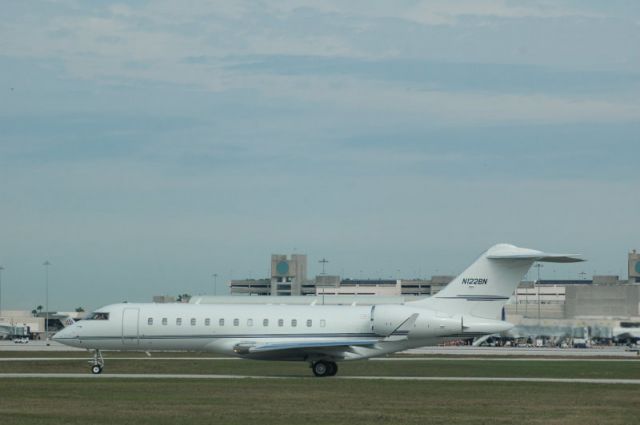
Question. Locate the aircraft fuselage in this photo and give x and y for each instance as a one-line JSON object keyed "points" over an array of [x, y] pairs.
{"points": [[227, 329]]}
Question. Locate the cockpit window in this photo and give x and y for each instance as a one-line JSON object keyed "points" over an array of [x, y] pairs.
{"points": [[96, 315]]}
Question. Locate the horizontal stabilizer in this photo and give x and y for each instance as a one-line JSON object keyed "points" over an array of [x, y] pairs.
{"points": [[545, 257], [510, 252]]}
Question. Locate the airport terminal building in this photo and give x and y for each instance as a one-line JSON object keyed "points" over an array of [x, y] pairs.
{"points": [[289, 278]]}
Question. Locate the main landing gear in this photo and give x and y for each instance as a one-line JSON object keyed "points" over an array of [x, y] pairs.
{"points": [[97, 363], [323, 368]]}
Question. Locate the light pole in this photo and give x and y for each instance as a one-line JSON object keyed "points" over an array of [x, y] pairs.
{"points": [[1, 268], [324, 261], [46, 265], [215, 283]]}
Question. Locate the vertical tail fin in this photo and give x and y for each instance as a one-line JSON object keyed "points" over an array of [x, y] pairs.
{"points": [[487, 284]]}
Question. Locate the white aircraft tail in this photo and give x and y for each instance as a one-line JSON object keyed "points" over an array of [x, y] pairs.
{"points": [[484, 287], [67, 321]]}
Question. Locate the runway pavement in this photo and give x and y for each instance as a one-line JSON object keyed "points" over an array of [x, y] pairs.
{"points": [[375, 359], [525, 351], [38, 345], [610, 352], [55, 359], [383, 378]]}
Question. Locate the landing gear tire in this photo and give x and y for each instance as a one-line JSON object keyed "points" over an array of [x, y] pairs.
{"points": [[320, 368], [324, 368], [97, 363]]}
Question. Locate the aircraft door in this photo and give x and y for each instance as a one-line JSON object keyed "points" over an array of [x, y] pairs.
{"points": [[373, 309], [130, 326]]}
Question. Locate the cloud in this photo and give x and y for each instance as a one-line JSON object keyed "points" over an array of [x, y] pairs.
{"points": [[447, 12], [146, 144], [447, 108], [449, 76], [443, 12], [96, 41]]}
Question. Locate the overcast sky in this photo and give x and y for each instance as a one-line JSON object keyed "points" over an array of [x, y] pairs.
{"points": [[145, 145]]}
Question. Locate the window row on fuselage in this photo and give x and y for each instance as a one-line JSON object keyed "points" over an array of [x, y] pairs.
{"points": [[164, 321]]}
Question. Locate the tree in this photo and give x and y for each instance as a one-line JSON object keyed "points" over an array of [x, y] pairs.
{"points": [[183, 298], [39, 308], [34, 312], [79, 310]]}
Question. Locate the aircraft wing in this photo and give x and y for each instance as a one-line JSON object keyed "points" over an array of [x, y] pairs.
{"points": [[311, 344], [301, 349]]}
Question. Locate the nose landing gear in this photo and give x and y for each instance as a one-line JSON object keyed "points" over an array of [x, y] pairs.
{"points": [[323, 368], [97, 363]]}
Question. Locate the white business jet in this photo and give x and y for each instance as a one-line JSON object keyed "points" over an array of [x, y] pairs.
{"points": [[322, 335]]}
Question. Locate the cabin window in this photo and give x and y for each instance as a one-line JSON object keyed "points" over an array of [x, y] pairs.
{"points": [[193, 321], [265, 322], [294, 323], [97, 316], [249, 322], [309, 323], [236, 322], [150, 321], [179, 321], [323, 323], [280, 322], [221, 322], [207, 322], [164, 321]]}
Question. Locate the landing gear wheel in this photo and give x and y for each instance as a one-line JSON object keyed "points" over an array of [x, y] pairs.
{"points": [[320, 368], [324, 368], [97, 363]]}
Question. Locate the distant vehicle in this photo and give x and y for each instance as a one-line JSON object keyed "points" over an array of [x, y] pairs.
{"points": [[580, 337], [18, 334], [628, 332], [322, 335]]}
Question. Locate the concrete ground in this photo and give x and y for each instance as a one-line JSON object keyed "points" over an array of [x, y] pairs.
{"points": [[460, 350], [386, 378], [526, 351]]}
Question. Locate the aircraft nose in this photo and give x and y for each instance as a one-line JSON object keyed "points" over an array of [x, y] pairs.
{"points": [[60, 335], [66, 335]]}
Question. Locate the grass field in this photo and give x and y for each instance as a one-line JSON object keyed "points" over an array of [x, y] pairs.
{"points": [[435, 367], [319, 401], [312, 401]]}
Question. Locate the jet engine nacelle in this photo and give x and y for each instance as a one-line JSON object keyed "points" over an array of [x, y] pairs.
{"points": [[402, 320], [385, 319]]}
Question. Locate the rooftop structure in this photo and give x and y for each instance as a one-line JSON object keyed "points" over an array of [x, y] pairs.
{"points": [[634, 267]]}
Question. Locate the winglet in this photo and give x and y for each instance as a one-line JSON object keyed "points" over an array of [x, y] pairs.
{"points": [[403, 329]]}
